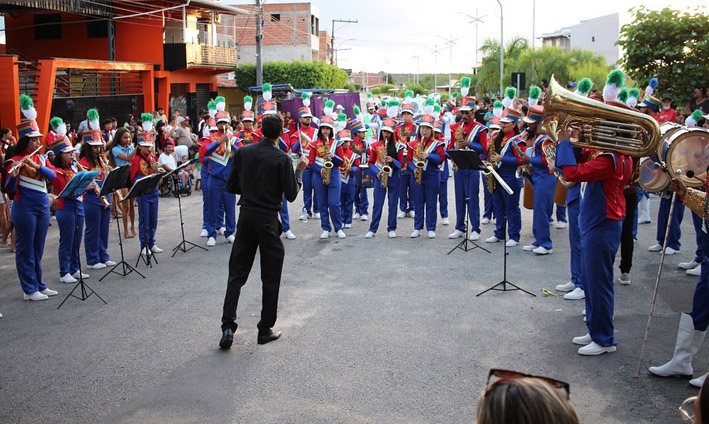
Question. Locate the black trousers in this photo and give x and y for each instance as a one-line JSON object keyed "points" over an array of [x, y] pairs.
{"points": [[256, 229], [626, 235]]}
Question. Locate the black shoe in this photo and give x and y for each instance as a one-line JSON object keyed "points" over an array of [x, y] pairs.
{"points": [[268, 336], [227, 339]]}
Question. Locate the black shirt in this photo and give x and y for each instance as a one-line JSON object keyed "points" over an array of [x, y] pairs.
{"points": [[262, 174], [704, 106], [480, 115]]}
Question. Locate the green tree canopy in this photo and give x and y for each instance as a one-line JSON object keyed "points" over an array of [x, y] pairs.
{"points": [[668, 44], [297, 74]]}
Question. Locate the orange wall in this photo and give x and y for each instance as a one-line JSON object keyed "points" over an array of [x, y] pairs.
{"points": [[139, 40]]}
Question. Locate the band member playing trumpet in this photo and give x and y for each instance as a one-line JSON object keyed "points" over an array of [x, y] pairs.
{"points": [[301, 141], [30, 209], [70, 216], [143, 164], [348, 169], [325, 155], [385, 161], [425, 156], [97, 208], [467, 134]]}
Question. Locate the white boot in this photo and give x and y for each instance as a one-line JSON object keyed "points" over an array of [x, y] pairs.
{"points": [[687, 345], [699, 381]]}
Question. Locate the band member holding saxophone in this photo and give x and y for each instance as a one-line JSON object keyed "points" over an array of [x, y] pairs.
{"points": [[97, 208], [301, 141], [424, 157], [363, 179], [404, 133], [467, 134], [348, 169], [143, 164], [326, 154], [445, 174], [385, 161]]}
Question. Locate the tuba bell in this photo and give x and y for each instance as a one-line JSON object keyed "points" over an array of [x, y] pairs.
{"points": [[601, 126]]}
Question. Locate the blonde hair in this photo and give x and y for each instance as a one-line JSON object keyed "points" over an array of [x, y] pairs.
{"points": [[525, 401]]}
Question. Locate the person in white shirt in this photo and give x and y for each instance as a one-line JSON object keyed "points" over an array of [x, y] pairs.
{"points": [[168, 161]]}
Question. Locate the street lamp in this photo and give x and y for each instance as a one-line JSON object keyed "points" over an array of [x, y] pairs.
{"points": [[476, 20], [502, 46]]}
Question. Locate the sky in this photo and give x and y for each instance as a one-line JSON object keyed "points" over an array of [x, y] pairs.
{"points": [[391, 34]]}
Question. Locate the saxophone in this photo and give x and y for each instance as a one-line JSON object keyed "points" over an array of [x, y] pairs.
{"points": [[105, 169], [323, 150], [489, 178], [418, 173], [346, 166], [386, 169]]}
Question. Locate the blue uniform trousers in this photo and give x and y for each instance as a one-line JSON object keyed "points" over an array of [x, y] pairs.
{"points": [[98, 221], [71, 224], [507, 205], [467, 185], [663, 214], [698, 232], [219, 198], [700, 302], [600, 245], [285, 219], [205, 197], [347, 199], [147, 219], [308, 199], [328, 200], [544, 186], [560, 212], [424, 197], [391, 194], [443, 198], [31, 231], [406, 182], [361, 199], [487, 213], [575, 243]]}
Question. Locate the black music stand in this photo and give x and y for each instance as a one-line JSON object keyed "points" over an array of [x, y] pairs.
{"points": [[75, 187], [142, 187], [117, 179], [469, 160], [182, 246]]}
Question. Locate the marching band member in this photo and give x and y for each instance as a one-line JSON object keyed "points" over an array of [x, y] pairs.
{"points": [[425, 156], [303, 138], [385, 152], [249, 134], [348, 169], [467, 134], [30, 210], [325, 155], [208, 136], [270, 108], [544, 183], [404, 133], [70, 217], [445, 174], [221, 155], [363, 180], [97, 208], [56, 139], [143, 164], [505, 153]]}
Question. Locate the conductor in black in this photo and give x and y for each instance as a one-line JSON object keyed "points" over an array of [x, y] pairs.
{"points": [[261, 174]]}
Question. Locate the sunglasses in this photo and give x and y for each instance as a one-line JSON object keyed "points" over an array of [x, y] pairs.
{"points": [[496, 376]]}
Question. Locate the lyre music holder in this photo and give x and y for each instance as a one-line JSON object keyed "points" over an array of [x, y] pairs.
{"points": [[182, 246], [141, 187]]}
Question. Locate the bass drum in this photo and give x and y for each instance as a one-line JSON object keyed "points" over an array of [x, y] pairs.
{"points": [[652, 177], [688, 153], [667, 129]]}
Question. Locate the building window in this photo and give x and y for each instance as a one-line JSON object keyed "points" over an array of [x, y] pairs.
{"points": [[48, 26], [97, 29], [275, 17]]}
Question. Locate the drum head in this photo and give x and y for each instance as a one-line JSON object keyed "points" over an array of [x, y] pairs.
{"points": [[667, 129], [651, 177], [689, 151]]}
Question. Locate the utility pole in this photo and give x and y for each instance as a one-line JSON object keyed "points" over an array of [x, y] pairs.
{"points": [[450, 42], [259, 38], [502, 48], [332, 36], [475, 20]]}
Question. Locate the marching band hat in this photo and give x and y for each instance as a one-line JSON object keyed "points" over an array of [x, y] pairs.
{"points": [[427, 121], [650, 103], [467, 104], [511, 116], [370, 105], [304, 112], [495, 123], [407, 107], [535, 114], [223, 116], [66, 149], [344, 135], [93, 138], [145, 139], [388, 125], [28, 129], [327, 121], [246, 115], [438, 127], [357, 126], [213, 124], [382, 112], [269, 108]]}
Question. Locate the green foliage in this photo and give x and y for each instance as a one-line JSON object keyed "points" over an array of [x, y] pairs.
{"points": [[382, 89], [668, 44], [444, 98], [414, 88], [298, 74], [351, 88]]}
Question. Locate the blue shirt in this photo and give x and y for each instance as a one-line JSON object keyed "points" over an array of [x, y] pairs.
{"points": [[118, 150]]}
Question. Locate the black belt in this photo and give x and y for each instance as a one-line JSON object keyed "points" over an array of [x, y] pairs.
{"points": [[259, 210]]}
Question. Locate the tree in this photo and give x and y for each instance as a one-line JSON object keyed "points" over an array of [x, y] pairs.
{"points": [[672, 46], [297, 74]]}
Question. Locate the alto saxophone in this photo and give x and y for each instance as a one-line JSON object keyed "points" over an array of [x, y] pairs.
{"points": [[418, 173], [323, 150], [97, 189], [386, 169], [489, 178]]}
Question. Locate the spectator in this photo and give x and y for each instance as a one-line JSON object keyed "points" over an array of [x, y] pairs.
{"points": [[122, 152], [5, 221], [7, 139], [160, 115], [699, 101], [668, 113], [183, 133], [168, 161], [481, 111], [197, 168]]}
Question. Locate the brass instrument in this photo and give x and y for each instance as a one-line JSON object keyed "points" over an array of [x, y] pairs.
{"points": [[522, 169], [105, 169], [323, 150], [550, 153], [22, 161], [601, 126], [227, 143], [418, 173], [346, 166], [459, 138], [386, 169], [489, 177]]}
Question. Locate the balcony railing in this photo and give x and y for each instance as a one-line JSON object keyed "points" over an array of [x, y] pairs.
{"points": [[187, 56]]}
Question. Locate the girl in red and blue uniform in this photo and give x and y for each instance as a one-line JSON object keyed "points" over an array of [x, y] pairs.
{"points": [[326, 148], [348, 170], [144, 164]]}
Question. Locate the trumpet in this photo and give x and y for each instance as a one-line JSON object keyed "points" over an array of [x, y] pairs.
{"points": [[17, 165], [418, 173]]}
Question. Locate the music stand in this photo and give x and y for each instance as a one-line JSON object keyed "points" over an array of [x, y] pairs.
{"points": [[76, 187], [142, 187], [117, 179], [467, 160], [182, 246]]}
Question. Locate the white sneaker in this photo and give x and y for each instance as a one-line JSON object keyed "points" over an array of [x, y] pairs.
{"points": [[671, 251], [529, 248], [156, 249], [485, 221], [355, 216], [109, 263], [35, 296], [369, 234], [49, 292], [317, 215], [363, 218], [511, 243], [560, 224], [97, 266], [456, 234], [593, 349], [325, 234], [412, 214], [582, 340], [290, 235], [341, 234], [541, 250], [566, 287], [415, 234], [0, 315], [492, 239], [401, 214], [83, 275], [392, 234], [445, 221], [230, 239], [575, 294], [204, 233], [211, 241], [696, 271], [688, 265], [431, 234], [347, 225], [222, 230], [657, 247], [583, 312], [624, 279], [144, 251], [67, 279], [302, 217], [474, 236]]}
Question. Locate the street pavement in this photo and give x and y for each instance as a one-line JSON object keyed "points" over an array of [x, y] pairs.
{"points": [[374, 331]]}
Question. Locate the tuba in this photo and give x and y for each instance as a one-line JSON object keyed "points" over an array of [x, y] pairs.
{"points": [[418, 173], [550, 153], [601, 126], [323, 150]]}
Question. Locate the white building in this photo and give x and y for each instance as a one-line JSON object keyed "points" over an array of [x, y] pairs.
{"points": [[598, 35]]}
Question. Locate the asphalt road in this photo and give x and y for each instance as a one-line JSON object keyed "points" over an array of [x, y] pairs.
{"points": [[374, 331]]}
